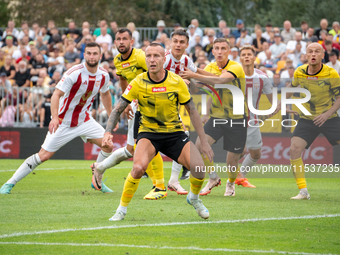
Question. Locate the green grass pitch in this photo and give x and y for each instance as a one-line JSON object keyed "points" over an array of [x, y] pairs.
{"points": [[55, 211]]}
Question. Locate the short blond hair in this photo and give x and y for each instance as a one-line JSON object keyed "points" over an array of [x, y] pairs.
{"points": [[247, 47]]}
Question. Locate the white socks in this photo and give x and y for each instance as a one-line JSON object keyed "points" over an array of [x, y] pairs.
{"points": [[122, 208], [27, 167], [212, 175], [192, 195], [175, 170], [103, 155], [247, 164], [114, 159]]}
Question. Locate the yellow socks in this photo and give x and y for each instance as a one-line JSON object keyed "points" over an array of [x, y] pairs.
{"points": [[130, 187], [195, 185], [233, 175], [150, 172], [299, 172], [209, 167], [157, 167]]}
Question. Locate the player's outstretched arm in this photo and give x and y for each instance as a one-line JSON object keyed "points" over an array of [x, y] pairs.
{"points": [[225, 77], [54, 123], [197, 123]]}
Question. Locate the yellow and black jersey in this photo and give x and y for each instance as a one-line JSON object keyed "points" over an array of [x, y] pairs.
{"points": [[158, 101], [324, 86], [225, 111], [132, 66]]}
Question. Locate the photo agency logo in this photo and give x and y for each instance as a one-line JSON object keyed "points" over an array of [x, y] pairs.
{"points": [[238, 104]]}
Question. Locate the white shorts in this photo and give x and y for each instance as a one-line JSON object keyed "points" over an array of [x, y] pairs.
{"points": [[88, 130], [130, 140], [254, 138]]}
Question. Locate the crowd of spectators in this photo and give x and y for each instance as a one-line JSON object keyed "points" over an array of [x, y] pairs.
{"points": [[33, 59]]}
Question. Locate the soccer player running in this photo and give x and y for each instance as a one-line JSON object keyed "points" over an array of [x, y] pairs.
{"points": [[159, 92], [176, 61], [235, 131], [70, 104], [129, 63], [323, 83]]}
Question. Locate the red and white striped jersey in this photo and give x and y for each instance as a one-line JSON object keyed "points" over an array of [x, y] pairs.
{"points": [[260, 83], [80, 88], [173, 65]]}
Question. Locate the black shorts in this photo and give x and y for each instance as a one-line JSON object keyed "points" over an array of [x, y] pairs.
{"points": [[170, 144], [308, 131], [234, 137], [136, 124]]}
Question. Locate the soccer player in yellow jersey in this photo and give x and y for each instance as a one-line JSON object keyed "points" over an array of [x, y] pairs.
{"points": [[323, 83], [130, 63], [159, 92], [235, 130]]}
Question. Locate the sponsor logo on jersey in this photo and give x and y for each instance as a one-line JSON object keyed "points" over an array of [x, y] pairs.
{"points": [[312, 78], [97, 83], [171, 96], [85, 83], [63, 79], [159, 89], [126, 65], [128, 88]]}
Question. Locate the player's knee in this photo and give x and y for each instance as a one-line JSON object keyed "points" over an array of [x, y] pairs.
{"points": [[138, 170], [295, 150], [256, 155]]}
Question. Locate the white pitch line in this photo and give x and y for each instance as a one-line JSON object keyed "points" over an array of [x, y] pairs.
{"points": [[165, 224], [192, 248], [63, 168]]}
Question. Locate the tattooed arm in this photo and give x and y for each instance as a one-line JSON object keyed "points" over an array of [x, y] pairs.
{"points": [[113, 120], [197, 123]]}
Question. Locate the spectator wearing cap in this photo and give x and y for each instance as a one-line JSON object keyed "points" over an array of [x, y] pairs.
{"points": [[266, 34], [161, 30], [304, 30], [234, 55], [323, 26], [192, 37], [333, 61], [72, 29], [221, 25], [278, 48], [240, 26], [288, 32], [198, 30], [177, 26], [5, 84], [244, 39], [10, 47]]}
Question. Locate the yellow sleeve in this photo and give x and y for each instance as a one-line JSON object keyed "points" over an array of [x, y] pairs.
{"points": [[141, 61], [236, 70], [335, 83], [184, 96], [118, 67], [131, 91], [295, 80]]}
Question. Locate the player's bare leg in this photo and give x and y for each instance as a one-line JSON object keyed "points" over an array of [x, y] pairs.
{"points": [[25, 169], [296, 148], [214, 179], [191, 159], [249, 161], [144, 153]]}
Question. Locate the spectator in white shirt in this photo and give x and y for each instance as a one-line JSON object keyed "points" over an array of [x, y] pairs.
{"points": [[192, 38], [278, 48], [334, 62], [198, 30], [262, 55], [31, 34], [104, 37], [288, 32], [244, 38], [234, 55], [208, 33], [135, 34], [291, 46], [266, 35]]}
